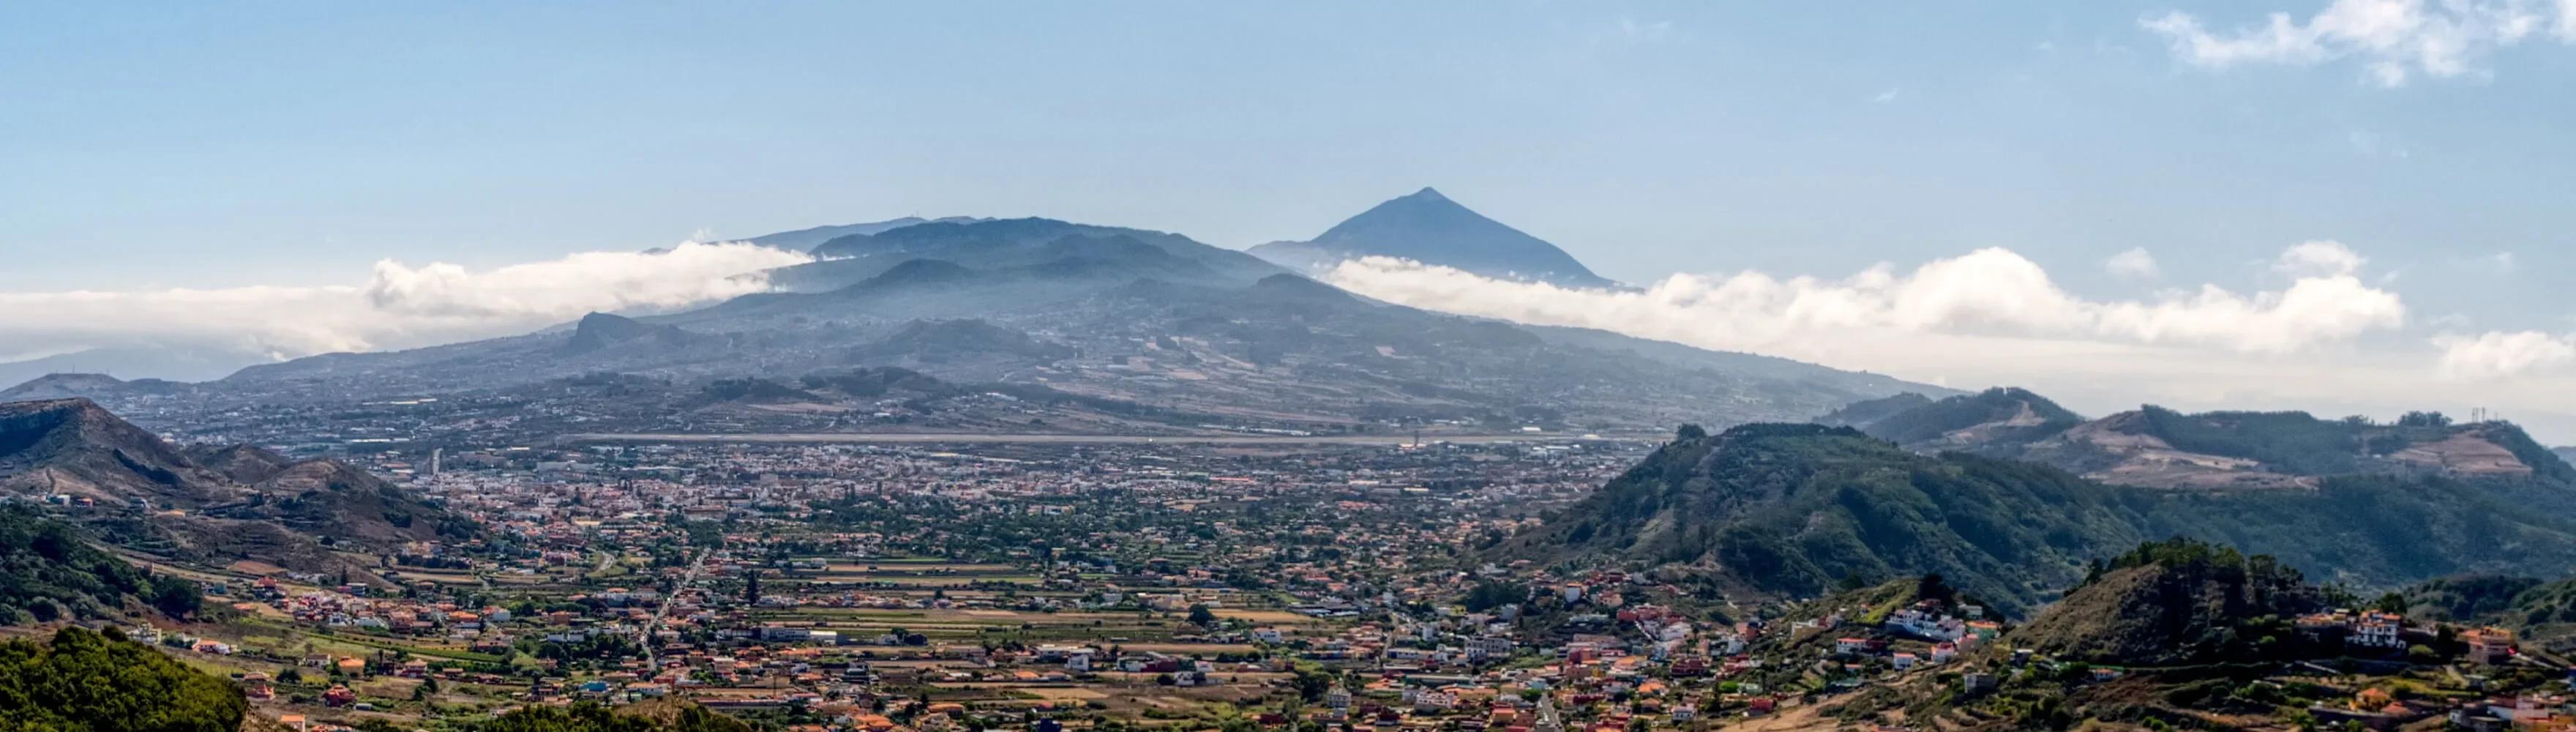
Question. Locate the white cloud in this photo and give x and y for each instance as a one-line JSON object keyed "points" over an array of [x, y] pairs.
{"points": [[1885, 96], [2494, 355], [2392, 39], [1989, 293], [2135, 263], [396, 305], [2318, 258], [1991, 317], [1644, 30]]}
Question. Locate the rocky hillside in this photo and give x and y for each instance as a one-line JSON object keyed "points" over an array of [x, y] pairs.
{"points": [[212, 504]]}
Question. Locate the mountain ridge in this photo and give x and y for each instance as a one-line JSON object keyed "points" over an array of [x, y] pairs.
{"points": [[2222, 450], [1778, 509]]}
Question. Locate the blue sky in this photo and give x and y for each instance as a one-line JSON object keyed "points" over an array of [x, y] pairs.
{"points": [[292, 144]]}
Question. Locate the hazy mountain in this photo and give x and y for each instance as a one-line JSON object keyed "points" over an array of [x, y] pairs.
{"points": [[1429, 228], [1987, 421], [807, 239], [1170, 328], [998, 244], [92, 386], [2161, 448], [170, 362], [1793, 509], [598, 331]]}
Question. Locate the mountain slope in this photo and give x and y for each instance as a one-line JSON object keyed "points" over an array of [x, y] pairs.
{"points": [[71, 446], [49, 572], [2156, 447], [995, 244], [2173, 602], [600, 331], [69, 386], [1987, 422], [171, 361], [1793, 509], [807, 239], [1429, 228], [251, 504], [1790, 509]]}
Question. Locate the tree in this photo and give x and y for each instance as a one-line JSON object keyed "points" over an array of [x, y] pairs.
{"points": [[751, 588], [2390, 603], [175, 597], [1201, 616], [2424, 419], [85, 681]]}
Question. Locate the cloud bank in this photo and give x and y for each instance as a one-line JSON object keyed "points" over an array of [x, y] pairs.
{"points": [[2320, 337], [1988, 293], [2393, 39], [2497, 355], [395, 305]]}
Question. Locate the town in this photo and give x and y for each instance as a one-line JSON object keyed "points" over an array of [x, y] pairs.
{"points": [[1123, 586]]}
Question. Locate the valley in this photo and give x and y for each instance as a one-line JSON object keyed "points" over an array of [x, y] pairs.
{"points": [[1024, 473]]}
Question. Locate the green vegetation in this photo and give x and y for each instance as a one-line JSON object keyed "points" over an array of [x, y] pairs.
{"points": [[2038, 417], [88, 682], [2292, 441], [2177, 601], [2540, 610], [1795, 509], [49, 571]]}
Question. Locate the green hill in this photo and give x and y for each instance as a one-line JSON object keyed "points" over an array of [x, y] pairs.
{"points": [[2173, 602], [50, 572], [1977, 422], [84, 681], [1790, 510], [1794, 509]]}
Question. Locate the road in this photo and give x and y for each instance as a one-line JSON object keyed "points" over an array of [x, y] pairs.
{"points": [[836, 438], [651, 663]]}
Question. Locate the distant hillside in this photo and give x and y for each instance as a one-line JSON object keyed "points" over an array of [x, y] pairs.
{"points": [[1429, 228], [2174, 602], [71, 386], [2156, 447], [1792, 509], [1861, 414], [807, 239], [1982, 422], [1135, 317], [933, 341], [169, 361], [600, 331], [996, 244], [243, 503]]}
